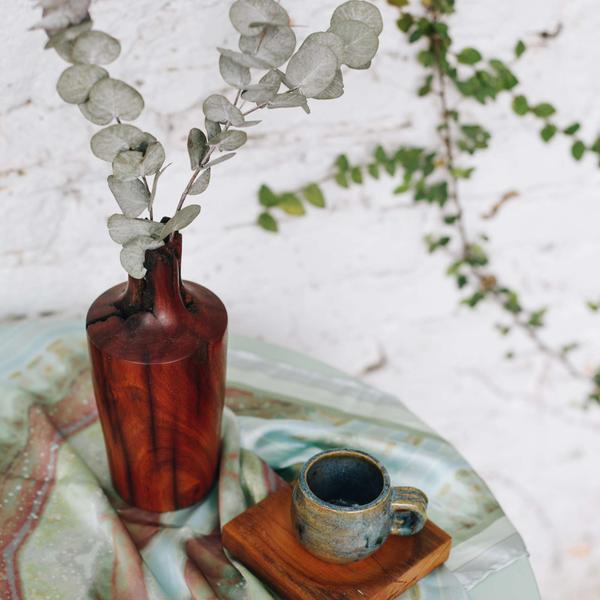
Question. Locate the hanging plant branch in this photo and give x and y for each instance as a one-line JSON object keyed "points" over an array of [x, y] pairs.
{"points": [[434, 176], [267, 44]]}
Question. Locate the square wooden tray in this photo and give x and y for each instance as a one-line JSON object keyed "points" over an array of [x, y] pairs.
{"points": [[263, 539]]}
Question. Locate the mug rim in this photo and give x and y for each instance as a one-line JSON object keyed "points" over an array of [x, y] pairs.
{"points": [[310, 495]]}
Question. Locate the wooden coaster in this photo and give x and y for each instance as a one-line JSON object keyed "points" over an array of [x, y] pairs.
{"points": [[263, 539]]}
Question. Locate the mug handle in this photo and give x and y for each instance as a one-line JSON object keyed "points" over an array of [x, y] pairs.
{"points": [[409, 510]]}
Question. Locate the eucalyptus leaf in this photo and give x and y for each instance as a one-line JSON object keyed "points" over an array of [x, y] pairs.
{"points": [[213, 128], [197, 147], [233, 73], [218, 108], [247, 16], [95, 114], [201, 183], [312, 69], [274, 46], [115, 97], [329, 40], [133, 254], [229, 140], [182, 218], [95, 48], [128, 165], [219, 160], [360, 42], [247, 124], [75, 83], [244, 60], [356, 10], [289, 100], [334, 90], [259, 93], [154, 158], [108, 142], [132, 196], [122, 229], [68, 34]]}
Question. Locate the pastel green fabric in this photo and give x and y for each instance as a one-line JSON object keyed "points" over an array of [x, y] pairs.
{"points": [[65, 534]]}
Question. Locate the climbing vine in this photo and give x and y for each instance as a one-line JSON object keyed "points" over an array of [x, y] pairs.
{"points": [[433, 175]]}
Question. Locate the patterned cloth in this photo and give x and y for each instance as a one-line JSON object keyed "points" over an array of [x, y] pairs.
{"points": [[65, 534]]}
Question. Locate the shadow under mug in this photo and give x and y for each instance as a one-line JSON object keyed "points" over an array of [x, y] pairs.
{"points": [[344, 507]]}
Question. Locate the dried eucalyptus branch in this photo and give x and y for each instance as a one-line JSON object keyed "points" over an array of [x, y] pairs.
{"points": [[267, 44]]}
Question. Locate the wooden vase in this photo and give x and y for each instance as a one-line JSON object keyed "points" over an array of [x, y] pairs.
{"points": [[158, 352]]}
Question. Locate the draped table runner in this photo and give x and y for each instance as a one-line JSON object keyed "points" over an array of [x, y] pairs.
{"points": [[65, 534]]}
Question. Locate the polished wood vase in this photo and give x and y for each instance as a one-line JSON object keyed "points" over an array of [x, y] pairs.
{"points": [[158, 352]]}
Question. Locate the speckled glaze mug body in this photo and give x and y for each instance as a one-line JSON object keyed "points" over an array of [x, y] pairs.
{"points": [[344, 507]]}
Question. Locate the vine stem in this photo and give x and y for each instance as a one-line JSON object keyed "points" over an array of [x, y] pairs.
{"points": [[454, 196]]}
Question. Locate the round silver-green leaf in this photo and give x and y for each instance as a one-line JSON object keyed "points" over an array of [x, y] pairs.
{"points": [[218, 108], [122, 229], [181, 219], [128, 165], [233, 73], [274, 46], [108, 142], [95, 48], [289, 100], [335, 88], [201, 183], [357, 10], [133, 254], [244, 60], [68, 35], [360, 42], [329, 40], [229, 140], [212, 128], [154, 157], [311, 70], [75, 83], [95, 114], [197, 146], [250, 16], [132, 196], [116, 98]]}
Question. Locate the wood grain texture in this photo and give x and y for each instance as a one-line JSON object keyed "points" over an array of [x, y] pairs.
{"points": [[263, 539], [158, 352]]}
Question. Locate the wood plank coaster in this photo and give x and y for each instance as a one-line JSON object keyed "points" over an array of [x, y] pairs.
{"points": [[263, 539]]}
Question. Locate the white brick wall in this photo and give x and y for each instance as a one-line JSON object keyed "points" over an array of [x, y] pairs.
{"points": [[354, 281]]}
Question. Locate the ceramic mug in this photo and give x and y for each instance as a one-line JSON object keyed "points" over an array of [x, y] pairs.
{"points": [[344, 507]]}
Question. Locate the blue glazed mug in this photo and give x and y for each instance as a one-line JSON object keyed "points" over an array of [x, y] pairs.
{"points": [[344, 507]]}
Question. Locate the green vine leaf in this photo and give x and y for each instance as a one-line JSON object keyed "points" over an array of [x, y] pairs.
{"points": [[520, 105], [543, 110], [548, 132], [578, 150], [267, 222], [217, 108], [95, 48], [180, 220], [132, 196], [572, 129], [520, 49], [250, 17], [311, 70], [291, 204], [314, 195], [75, 83], [469, 56], [356, 10], [360, 43], [267, 197], [201, 184]]}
